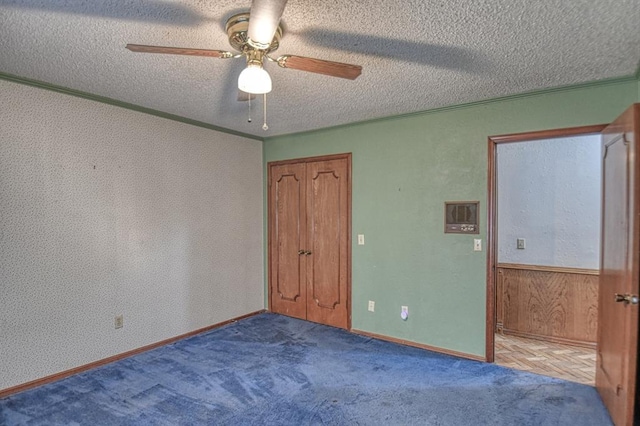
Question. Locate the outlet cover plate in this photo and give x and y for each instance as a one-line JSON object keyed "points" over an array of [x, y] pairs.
{"points": [[119, 321], [404, 312]]}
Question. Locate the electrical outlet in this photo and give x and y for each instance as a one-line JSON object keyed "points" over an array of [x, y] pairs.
{"points": [[404, 312], [520, 243], [119, 322], [372, 305]]}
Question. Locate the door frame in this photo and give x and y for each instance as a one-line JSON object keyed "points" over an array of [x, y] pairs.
{"points": [[347, 156], [492, 217]]}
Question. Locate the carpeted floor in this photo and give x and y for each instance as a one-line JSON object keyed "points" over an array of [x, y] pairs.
{"points": [[274, 370]]}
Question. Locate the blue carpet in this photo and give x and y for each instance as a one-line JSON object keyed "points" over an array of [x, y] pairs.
{"points": [[274, 370]]}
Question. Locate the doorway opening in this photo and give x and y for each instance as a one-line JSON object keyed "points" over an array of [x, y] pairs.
{"points": [[543, 252]]}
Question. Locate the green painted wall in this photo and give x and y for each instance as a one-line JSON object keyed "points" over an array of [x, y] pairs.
{"points": [[404, 168]]}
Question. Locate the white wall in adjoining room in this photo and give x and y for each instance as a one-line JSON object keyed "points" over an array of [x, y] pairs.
{"points": [[107, 211], [549, 193]]}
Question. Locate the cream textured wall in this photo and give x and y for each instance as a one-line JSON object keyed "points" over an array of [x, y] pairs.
{"points": [[107, 211], [549, 194]]}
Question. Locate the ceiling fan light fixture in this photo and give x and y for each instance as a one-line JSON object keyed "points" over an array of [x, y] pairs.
{"points": [[254, 79]]}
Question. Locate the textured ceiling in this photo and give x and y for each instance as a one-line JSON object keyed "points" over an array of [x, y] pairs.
{"points": [[416, 55]]}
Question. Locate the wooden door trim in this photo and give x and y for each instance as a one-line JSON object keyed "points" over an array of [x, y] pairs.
{"points": [[349, 192], [492, 243], [634, 405], [347, 156], [635, 258], [549, 134]]}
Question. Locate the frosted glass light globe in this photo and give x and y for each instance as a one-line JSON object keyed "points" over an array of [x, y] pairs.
{"points": [[254, 79]]}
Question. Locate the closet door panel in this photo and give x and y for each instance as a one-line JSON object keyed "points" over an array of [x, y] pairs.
{"points": [[287, 265], [327, 223]]}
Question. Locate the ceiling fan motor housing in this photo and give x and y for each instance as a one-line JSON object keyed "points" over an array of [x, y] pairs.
{"points": [[237, 30]]}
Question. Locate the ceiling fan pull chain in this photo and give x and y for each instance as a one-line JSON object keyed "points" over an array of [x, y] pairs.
{"points": [[264, 126], [249, 119]]}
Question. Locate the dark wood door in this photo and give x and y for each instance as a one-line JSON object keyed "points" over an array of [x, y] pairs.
{"points": [[619, 273], [309, 239]]}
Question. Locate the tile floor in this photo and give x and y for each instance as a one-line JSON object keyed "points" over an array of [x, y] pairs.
{"points": [[573, 363]]}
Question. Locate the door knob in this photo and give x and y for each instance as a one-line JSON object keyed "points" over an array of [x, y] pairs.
{"points": [[627, 299], [301, 252], [307, 252]]}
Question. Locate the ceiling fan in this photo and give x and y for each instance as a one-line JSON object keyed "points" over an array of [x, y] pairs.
{"points": [[254, 35]]}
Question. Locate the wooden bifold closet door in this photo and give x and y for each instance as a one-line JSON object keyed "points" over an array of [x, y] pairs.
{"points": [[309, 239]]}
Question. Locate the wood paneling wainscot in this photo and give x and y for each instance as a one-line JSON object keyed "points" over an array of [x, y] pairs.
{"points": [[547, 303]]}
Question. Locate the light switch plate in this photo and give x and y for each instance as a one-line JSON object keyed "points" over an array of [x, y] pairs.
{"points": [[360, 239], [477, 244], [520, 243]]}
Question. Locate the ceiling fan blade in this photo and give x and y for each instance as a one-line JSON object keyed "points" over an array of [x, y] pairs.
{"points": [[319, 66], [179, 51], [244, 96], [264, 19]]}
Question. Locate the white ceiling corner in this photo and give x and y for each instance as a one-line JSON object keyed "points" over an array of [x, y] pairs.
{"points": [[416, 55]]}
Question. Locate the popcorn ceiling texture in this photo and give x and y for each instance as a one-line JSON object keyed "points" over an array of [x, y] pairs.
{"points": [[106, 211], [417, 55]]}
